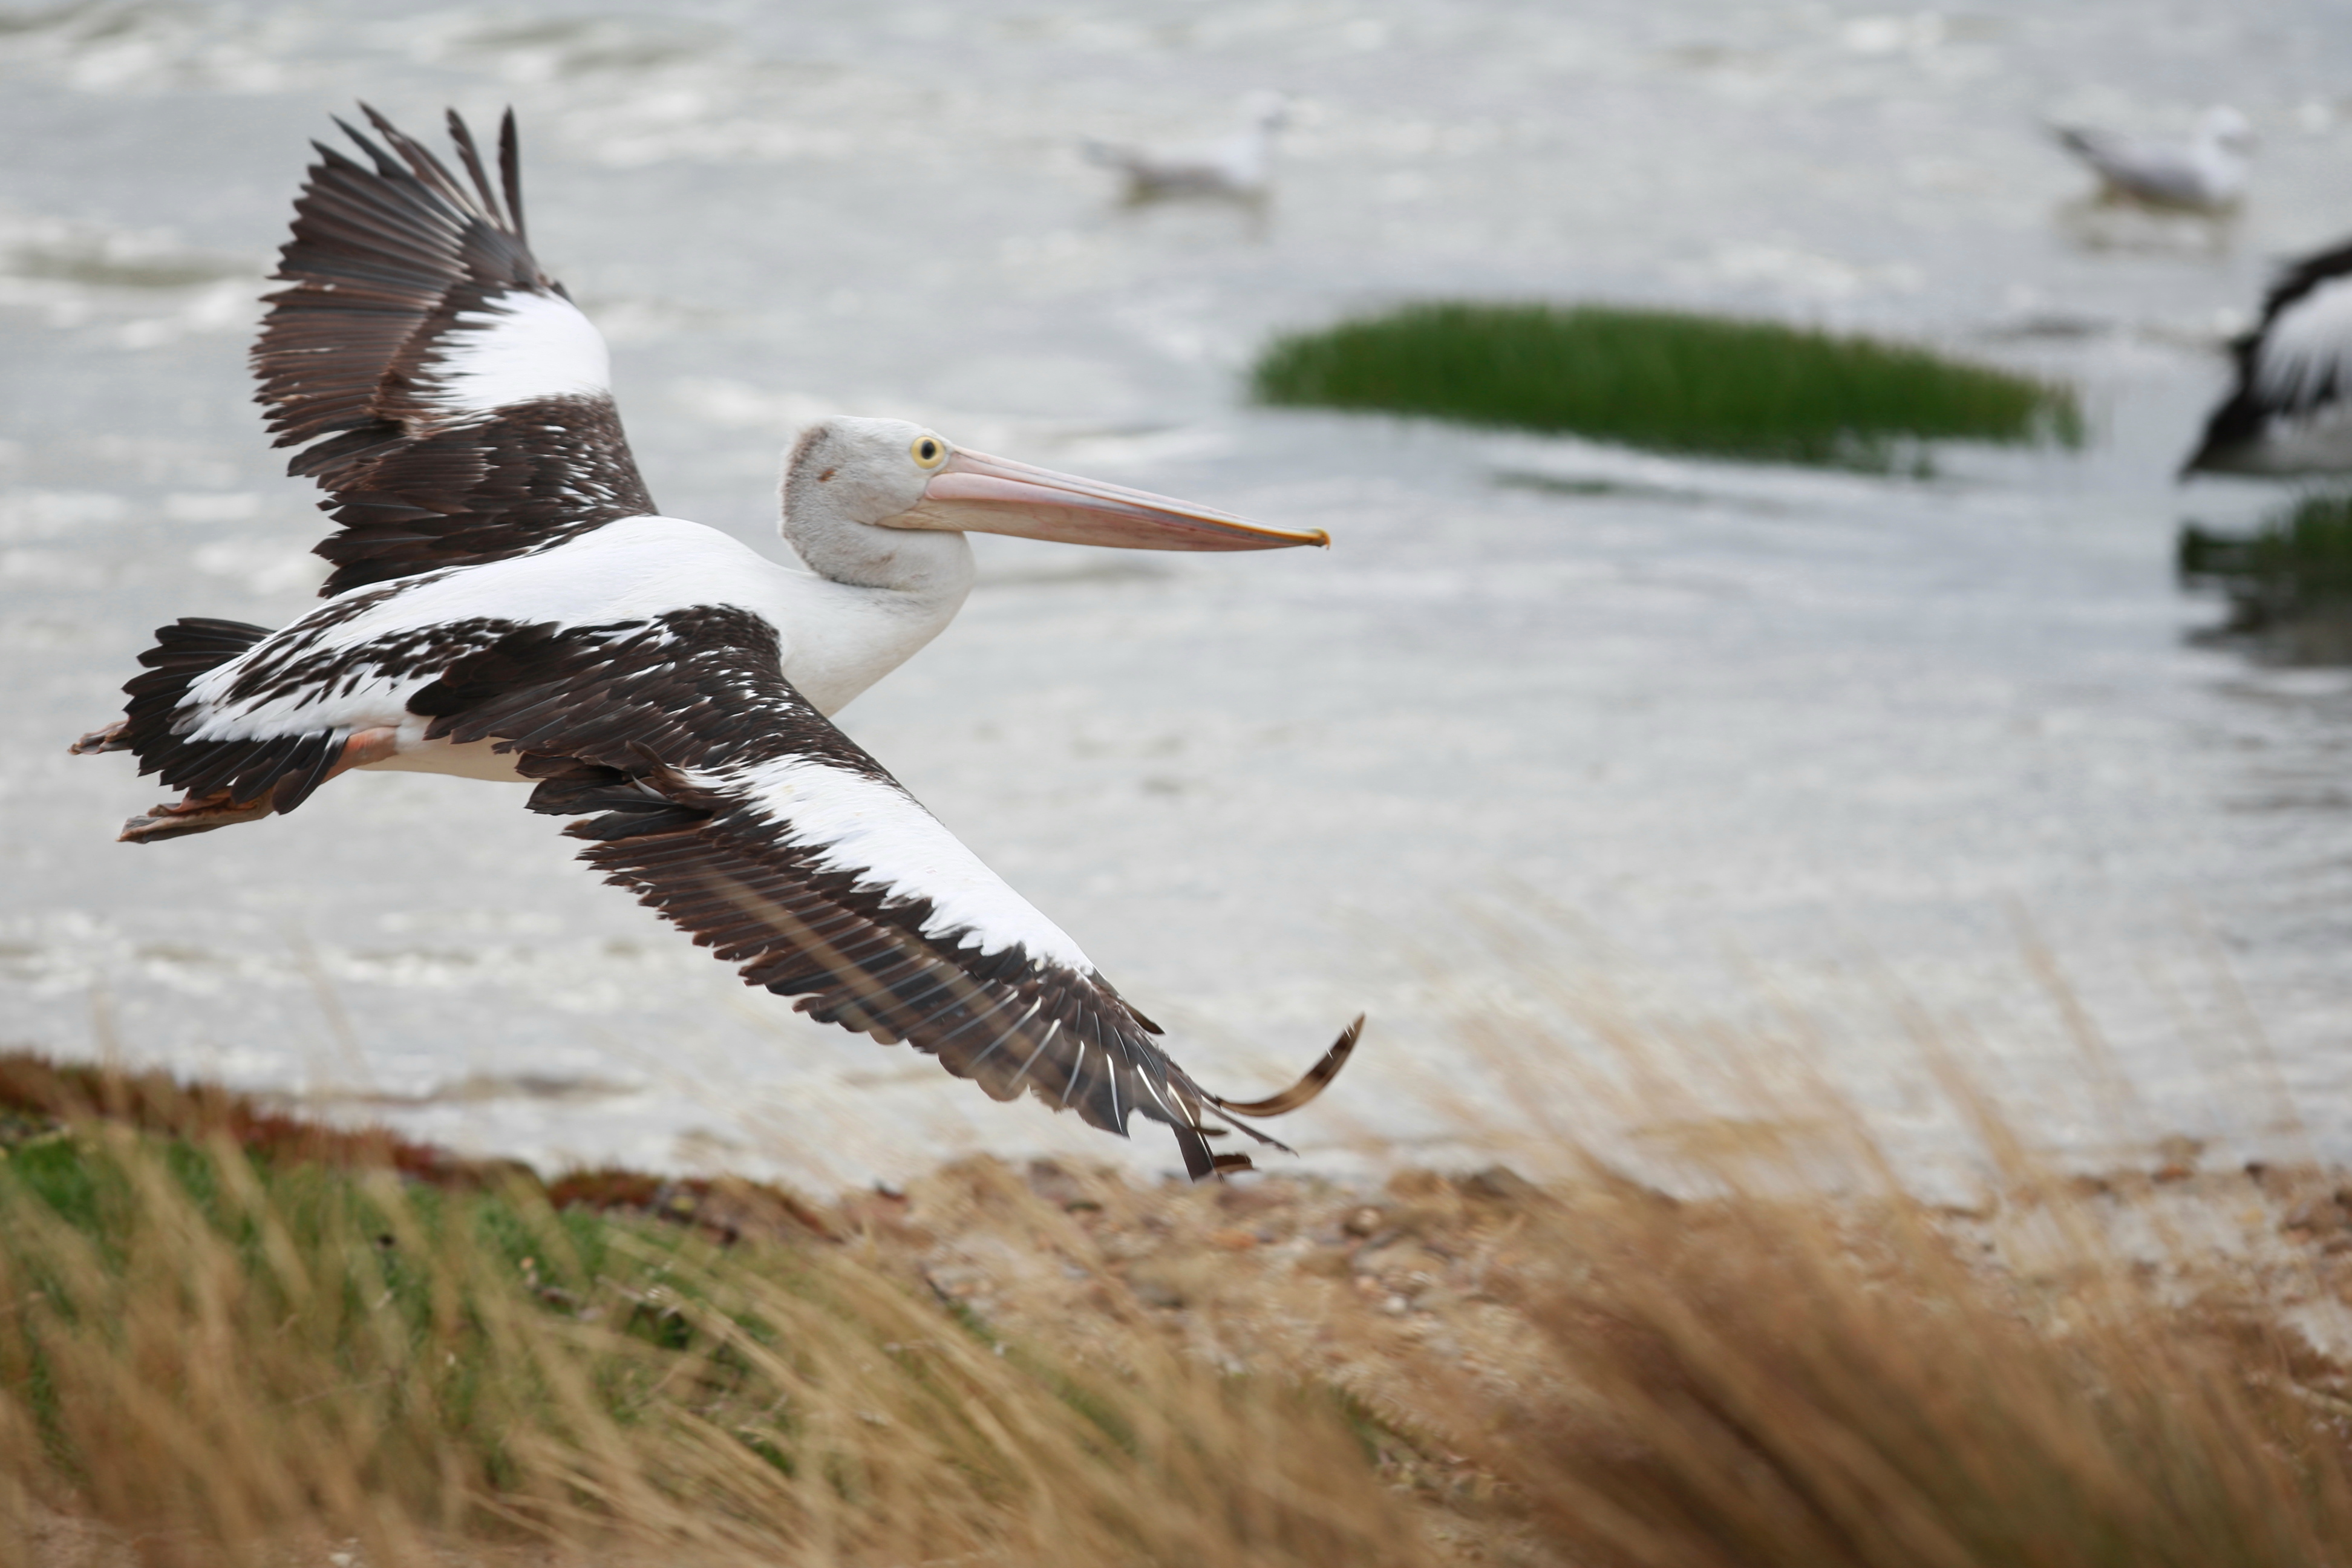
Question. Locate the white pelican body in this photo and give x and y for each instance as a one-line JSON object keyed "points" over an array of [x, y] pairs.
{"points": [[2206, 175], [509, 604], [835, 639]]}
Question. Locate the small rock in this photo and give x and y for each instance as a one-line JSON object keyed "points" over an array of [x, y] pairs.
{"points": [[1233, 1240], [1499, 1182], [1157, 1293], [1435, 1299], [1364, 1221], [1156, 1285], [1414, 1185], [1057, 1187], [2322, 1216], [1240, 1198]]}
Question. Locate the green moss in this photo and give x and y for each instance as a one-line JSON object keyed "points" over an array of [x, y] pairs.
{"points": [[2289, 582], [2299, 559], [1667, 379]]}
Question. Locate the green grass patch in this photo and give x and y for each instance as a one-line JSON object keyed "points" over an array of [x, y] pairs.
{"points": [[1667, 379], [208, 1337], [2294, 568], [359, 1301]]}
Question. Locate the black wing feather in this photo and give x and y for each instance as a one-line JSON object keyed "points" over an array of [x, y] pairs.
{"points": [[625, 729], [383, 262]]}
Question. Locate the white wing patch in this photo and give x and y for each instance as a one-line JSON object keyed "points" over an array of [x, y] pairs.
{"points": [[626, 573], [2309, 339], [524, 346], [866, 826]]}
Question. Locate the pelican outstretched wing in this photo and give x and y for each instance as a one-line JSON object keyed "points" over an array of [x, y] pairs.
{"points": [[711, 788], [457, 406]]}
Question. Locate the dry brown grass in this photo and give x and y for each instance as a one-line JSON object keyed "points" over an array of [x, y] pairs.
{"points": [[210, 1359], [227, 1367], [1597, 1373], [1762, 1384]]}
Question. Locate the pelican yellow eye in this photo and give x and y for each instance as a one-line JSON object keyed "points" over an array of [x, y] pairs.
{"points": [[929, 451]]}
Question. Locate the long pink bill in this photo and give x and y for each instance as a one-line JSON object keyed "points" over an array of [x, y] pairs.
{"points": [[974, 492]]}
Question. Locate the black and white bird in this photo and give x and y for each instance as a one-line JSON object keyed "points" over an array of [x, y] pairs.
{"points": [[508, 603], [2208, 174], [2291, 411], [1239, 167]]}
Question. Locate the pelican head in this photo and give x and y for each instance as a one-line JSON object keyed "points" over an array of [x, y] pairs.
{"points": [[846, 478]]}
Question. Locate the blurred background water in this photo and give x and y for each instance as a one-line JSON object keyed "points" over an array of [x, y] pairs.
{"points": [[1713, 740]]}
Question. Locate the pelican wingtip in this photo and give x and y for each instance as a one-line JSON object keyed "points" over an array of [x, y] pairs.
{"points": [[1310, 1084]]}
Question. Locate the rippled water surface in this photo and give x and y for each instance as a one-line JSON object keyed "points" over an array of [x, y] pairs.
{"points": [[1725, 740]]}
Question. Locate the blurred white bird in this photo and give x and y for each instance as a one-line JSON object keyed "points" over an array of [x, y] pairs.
{"points": [[1239, 167], [2291, 412], [2207, 175]]}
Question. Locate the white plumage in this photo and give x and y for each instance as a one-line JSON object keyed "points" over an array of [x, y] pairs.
{"points": [[1238, 167], [519, 348], [2308, 348], [859, 825], [2206, 175], [2290, 411]]}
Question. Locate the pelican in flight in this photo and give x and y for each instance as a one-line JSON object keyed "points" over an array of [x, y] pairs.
{"points": [[2207, 175], [2291, 411], [1239, 167], [508, 603]]}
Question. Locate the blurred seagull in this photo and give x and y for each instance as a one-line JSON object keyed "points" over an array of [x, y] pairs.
{"points": [[2207, 175], [1239, 167], [2291, 412], [507, 604]]}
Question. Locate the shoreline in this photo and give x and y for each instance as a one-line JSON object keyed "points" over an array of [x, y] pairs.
{"points": [[1500, 1356]]}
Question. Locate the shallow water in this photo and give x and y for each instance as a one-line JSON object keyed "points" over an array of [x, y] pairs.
{"points": [[1719, 741]]}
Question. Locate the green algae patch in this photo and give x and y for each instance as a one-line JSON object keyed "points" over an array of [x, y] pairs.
{"points": [[1667, 379], [2288, 583]]}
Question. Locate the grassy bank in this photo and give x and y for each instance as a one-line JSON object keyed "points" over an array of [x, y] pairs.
{"points": [[223, 1352], [229, 1359], [1667, 379], [2288, 583]]}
